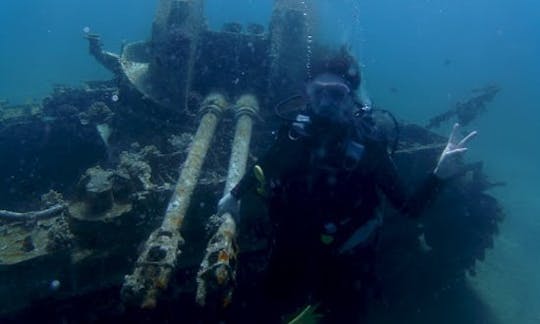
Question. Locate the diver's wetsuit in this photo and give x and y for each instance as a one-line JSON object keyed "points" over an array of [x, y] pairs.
{"points": [[317, 200]]}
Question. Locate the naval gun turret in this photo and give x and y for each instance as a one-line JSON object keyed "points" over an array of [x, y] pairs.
{"points": [[184, 58]]}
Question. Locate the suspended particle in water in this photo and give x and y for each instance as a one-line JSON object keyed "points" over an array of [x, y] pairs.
{"points": [[115, 98], [86, 30], [55, 285]]}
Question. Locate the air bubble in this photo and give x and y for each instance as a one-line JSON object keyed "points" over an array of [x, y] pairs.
{"points": [[309, 39]]}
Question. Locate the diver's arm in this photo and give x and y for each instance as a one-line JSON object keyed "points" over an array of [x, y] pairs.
{"points": [[409, 204], [446, 167], [423, 195]]}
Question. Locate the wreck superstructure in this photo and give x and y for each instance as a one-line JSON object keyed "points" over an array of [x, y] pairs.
{"points": [[116, 183]]}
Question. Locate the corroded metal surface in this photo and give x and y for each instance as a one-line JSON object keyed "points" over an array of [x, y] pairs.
{"points": [[246, 108], [25, 241], [176, 14], [183, 54], [216, 278], [289, 32], [162, 68], [16, 216], [109, 60], [160, 252]]}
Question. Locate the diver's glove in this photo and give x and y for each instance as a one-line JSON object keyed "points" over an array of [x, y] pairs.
{"points": [[229, 204], [448, 162]]}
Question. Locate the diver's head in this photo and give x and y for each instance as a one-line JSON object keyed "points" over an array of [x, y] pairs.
{"points": [[331, 99], [331, 91], [340, 63]]}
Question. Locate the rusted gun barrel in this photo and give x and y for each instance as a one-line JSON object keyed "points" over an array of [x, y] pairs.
{"points": [[216, 278], [158, 259]]}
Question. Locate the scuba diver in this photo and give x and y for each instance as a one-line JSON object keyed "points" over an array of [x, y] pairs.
{"points": [[321, 179]]}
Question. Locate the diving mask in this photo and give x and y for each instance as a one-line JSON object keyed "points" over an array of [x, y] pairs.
{"points": [[330, 99], [327, 89]]}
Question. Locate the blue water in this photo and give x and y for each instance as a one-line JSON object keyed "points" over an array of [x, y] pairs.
{"points": [[431, 52]]}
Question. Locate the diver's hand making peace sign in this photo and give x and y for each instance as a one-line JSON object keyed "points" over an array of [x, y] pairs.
{"points": [[448, 162]]}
